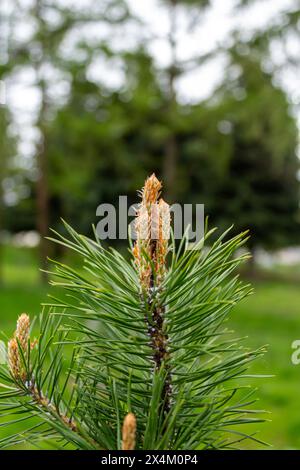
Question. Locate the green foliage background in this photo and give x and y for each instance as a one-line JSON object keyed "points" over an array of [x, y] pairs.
{"points": [[236, 151]]}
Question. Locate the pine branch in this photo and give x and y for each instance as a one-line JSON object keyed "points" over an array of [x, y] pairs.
{"points": [[136, 353]]}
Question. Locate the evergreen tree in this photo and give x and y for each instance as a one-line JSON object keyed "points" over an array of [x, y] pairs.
{"points": [[259, 188], [7, 149], [41, 51]]}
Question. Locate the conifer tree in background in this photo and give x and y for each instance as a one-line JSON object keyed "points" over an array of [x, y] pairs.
{"points": [[135, 355]]}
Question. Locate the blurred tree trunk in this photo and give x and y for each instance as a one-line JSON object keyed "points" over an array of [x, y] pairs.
{"points": [[42, 190], [7, 144], [2, 174], [1, 220], [171, 148]]}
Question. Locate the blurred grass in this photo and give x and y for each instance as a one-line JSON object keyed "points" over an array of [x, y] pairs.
{"points": [[270, 316], [20, 288]]}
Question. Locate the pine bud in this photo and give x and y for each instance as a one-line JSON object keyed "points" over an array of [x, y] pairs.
{"points": [[151, 191], [153, 233], [20, 339], [129, 432], [142, 224], [155, 221], [13, 357], [22, 331], [165, 220]]}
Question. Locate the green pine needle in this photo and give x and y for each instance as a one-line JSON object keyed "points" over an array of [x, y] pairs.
{"points": [[93, 362]]}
